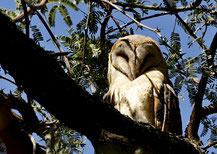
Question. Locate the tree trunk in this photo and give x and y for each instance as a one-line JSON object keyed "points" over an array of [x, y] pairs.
{"points": [[43, 79]]}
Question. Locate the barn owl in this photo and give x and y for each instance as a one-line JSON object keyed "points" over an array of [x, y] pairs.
{"points": [[139, 85]]}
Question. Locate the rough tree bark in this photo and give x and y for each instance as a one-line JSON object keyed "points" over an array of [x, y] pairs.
{"points": [[44, 80]]}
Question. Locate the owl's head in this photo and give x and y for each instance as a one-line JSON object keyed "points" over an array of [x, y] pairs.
{"points": [[134, 55]]}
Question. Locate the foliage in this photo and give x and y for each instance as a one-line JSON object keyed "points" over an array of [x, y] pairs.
{"points": [[61, 5]]}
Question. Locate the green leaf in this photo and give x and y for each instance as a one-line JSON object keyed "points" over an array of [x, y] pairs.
{"points": [[52, 16], [37, 35], [64, 12], [178, 84], [70, 4]]}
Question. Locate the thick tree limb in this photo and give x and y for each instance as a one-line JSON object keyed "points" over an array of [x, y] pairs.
{"points": [[44, 80]]}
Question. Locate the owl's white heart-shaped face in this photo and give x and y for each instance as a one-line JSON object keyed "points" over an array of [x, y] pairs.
{"points": [[135, 54]]}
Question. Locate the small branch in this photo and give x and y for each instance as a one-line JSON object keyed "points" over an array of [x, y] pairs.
{"points": [[144, 18], [207, 110], [205, 30], [26, 17], [199, 28], [65, 59], [57, 54], [134, 20], [86, 37], [183, 23], [29, 10], [186, 26], [5, 78], [209, 145]]}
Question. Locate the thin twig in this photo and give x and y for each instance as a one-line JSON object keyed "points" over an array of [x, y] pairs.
{"points": [[209, 145], [184, 24], [5, 78], [205, 30], [86, 37], [199, 28], [144, 18], [65, 59], [26, 17], [133, 19]]}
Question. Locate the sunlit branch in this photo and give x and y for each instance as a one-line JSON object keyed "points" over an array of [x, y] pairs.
{"points": [[209, 145], [199, 28], [29, 10]]}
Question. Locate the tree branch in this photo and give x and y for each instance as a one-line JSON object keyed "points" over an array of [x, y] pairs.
{"points": [[196, 115], [44, 80], [183, 23]]}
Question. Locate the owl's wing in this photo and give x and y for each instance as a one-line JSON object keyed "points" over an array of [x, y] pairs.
{"points": [[166, 110]]}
